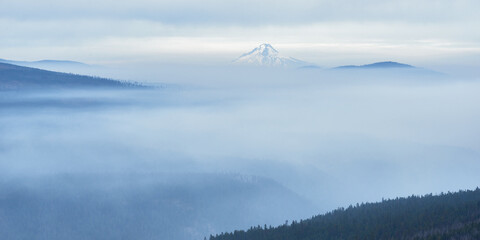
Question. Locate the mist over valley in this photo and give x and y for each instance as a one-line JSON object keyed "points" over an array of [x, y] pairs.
{"points": [[199, 150]]}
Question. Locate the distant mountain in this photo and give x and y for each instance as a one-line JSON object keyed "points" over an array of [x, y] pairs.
{"points": [[65, 66], [13, 77], [390, 67], [45, 63], [267, 56], [377, 65], [446, 216]]}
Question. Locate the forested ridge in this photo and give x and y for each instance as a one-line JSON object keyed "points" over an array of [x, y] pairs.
{"points": [[13, 77], [444, 216]]}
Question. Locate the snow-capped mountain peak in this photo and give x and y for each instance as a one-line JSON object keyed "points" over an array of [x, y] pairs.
{"points": [[264, 50], [266, 55]]}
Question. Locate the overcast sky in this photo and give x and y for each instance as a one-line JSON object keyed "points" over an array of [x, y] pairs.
{"points": [[214, 31]]}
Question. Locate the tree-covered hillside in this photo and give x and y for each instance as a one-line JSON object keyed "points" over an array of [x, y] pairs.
{"points": [[445, 216], [143, 206], [13, 77]]}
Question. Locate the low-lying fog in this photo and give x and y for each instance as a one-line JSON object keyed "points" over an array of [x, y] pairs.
{"points": [[223, 150]]}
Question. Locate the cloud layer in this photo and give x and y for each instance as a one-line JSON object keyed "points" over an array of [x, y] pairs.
{"points": [[245, 12], [325, 32]]}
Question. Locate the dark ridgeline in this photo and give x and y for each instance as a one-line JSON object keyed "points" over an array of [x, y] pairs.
{"points": [[13, 77], [377, 65], [446, 216]]}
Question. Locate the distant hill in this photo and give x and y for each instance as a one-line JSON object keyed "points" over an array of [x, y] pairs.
{"points": [[13, 77], [446, 216], [44, 63], [377, 65]]}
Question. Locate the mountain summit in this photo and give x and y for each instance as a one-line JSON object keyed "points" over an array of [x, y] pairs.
{"points": [[266, 55]]}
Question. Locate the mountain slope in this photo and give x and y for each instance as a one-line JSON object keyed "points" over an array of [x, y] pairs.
{"points": [[447, 216], [139, 206], [267, 56], [377, 65], [13, 77]]}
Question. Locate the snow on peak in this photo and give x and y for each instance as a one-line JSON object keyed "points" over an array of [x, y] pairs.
{"points": [[266, 50], [266, 55]]}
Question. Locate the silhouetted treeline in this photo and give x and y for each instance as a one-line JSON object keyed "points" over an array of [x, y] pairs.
{"points": [[13, 77], [444, 216]]}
